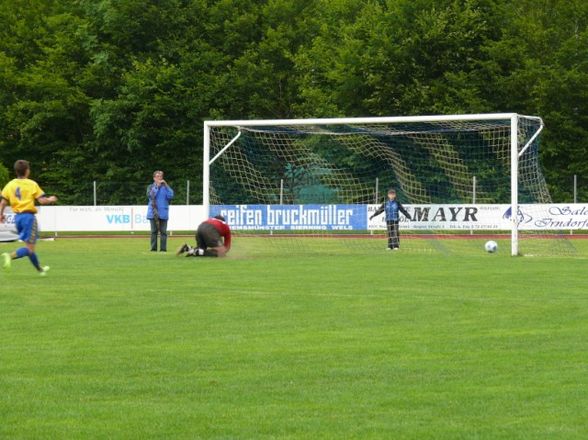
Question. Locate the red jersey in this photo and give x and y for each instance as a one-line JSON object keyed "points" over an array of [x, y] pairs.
{"points": [[223, 229]]}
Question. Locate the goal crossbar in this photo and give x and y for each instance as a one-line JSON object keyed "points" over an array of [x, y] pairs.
{"points": [[366, 120]]}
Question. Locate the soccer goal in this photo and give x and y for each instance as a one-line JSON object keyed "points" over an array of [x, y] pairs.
{"points": [[460, 177]]}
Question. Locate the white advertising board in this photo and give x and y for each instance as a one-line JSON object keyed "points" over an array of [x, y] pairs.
{"points": [[535, 217], [8, 229], [115, 218], [448, 217]]}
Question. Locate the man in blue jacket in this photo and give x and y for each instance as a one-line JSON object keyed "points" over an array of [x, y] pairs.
{"points": [[159, 194], [392, 208]]}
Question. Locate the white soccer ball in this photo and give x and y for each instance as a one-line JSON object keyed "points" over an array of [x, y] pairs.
{"points": [[491, 246]]}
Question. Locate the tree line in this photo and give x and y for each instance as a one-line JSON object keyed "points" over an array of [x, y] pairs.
{"points": [[111, 90]]}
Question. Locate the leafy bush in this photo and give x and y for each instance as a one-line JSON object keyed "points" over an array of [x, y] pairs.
{"points": [[4, 176]]}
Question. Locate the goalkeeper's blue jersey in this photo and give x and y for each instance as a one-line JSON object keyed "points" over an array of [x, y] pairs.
{"points": [[392, 208]]}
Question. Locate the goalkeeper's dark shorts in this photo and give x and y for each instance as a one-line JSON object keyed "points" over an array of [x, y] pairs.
{"points": [[208, 237]]}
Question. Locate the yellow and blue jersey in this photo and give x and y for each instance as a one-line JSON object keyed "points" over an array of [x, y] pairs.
{"points": [[21, 195]]}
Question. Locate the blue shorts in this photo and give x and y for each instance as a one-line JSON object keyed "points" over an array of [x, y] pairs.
{"points": [[27, 227]]}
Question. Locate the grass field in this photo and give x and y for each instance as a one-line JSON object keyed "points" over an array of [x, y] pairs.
{"points": [[117, 342]]}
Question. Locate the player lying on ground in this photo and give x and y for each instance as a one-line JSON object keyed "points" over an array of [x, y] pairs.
{"points": [[392, 207], [213, 239], [20, 194]]}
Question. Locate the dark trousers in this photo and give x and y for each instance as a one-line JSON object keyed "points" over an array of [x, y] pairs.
{"points": [[207, 236], [158, 227], [393, 235]]}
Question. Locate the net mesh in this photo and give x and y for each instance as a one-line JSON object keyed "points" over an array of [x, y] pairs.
{"points": [[428, 163]]}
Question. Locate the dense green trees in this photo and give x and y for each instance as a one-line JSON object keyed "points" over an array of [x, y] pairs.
{"points": [[4, 175], [110, 90]]}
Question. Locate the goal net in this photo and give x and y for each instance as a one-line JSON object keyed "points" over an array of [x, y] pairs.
{"points": [[463, 179]]}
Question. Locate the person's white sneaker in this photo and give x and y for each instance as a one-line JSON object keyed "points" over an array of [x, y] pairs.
{"points": [[6, 261], [44, 271]]}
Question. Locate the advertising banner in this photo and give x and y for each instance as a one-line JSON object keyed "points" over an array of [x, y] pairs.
{"points": [[114, 218], [448, 217], [558, 216], [316, 217], [8, 229], [537, 217], [294, 217]]}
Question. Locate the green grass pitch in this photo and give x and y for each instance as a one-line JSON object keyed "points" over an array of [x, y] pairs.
{"points": [[120, 343]]}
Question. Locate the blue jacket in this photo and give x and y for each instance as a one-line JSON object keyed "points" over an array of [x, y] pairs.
{"points": [[392, 207], [162, 195]]}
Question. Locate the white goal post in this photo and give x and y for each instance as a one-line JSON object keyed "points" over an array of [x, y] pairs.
{"points": [[520, 142]]}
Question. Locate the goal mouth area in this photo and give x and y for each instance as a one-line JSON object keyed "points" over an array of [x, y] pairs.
{"points": [[441, 166]]}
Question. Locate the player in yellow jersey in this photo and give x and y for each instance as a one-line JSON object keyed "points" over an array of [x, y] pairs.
{"points": [[21, 194]]}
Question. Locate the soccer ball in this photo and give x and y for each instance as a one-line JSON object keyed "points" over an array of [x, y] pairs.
{"points": [[491, 246]]}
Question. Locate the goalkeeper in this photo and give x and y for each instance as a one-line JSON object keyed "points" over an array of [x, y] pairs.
{"points": [[213, 239], [392, 207]]}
